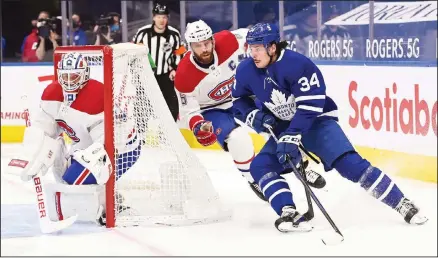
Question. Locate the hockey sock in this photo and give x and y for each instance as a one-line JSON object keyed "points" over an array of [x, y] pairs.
{"points": [[276, 190], [353, 167], [243, 167]]}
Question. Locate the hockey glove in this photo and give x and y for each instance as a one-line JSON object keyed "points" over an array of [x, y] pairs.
{"points": [[258, 119], [287, 149], [203, 131]]}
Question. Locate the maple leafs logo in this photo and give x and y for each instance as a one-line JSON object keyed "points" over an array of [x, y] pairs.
{"points": [[282, 107]]}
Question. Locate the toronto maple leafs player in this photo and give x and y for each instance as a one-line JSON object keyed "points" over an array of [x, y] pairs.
{"points": [[73, 104], [206, 75], [295, 105]]}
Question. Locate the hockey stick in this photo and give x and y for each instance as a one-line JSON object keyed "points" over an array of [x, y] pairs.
{"points": [[308, 154], [310, 213], [46, 225], [335, 239]]}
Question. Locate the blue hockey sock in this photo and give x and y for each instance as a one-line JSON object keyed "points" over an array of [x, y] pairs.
{"points": [[353, 167], [379, 185], [276, 189]]}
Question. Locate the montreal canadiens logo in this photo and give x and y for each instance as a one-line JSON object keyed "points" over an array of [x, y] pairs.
{"points": [[222, 90], [68, 130]]}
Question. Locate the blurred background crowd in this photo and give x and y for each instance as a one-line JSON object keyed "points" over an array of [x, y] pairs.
{"points": [[32, 29]]}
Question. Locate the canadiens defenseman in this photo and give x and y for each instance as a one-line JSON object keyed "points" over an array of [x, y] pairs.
{"points": [[295, 104], [73, 104], [205, 76]]}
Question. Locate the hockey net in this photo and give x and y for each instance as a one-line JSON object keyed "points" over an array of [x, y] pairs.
{"points": [[157, 179]]}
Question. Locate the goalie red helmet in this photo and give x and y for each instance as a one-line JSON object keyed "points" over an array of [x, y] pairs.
{"points": [[73, 72]]}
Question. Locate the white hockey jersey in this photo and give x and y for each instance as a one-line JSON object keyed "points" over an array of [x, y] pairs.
{"points": [[203, 88], [82, 121]]}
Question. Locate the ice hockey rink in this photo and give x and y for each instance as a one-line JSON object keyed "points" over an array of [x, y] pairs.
{"points": [[369, 227]]}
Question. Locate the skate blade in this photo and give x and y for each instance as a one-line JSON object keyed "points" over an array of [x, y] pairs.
{"points": [[286, 227], [418, 221]]}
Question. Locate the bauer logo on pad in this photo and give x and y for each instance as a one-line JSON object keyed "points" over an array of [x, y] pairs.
{"points": [[18, 163]]}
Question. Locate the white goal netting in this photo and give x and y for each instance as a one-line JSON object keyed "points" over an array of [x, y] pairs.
{"points": [[159, 180]]}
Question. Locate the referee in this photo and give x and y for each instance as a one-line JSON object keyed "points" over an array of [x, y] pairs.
{"points": [[165, 47]]}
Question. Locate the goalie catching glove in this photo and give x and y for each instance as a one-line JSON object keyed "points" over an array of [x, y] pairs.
{"points": [[96, 160]]}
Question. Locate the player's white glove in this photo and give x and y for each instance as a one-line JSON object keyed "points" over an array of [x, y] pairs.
{"points": [[95, 159]]}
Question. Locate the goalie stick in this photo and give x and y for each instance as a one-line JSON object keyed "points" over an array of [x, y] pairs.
{"points": [[330, 240], [46, 225]]}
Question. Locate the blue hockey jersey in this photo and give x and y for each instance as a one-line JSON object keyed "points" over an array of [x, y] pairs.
{"points": [[292, 89]]}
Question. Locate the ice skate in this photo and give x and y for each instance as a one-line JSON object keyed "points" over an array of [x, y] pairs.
{"points": [[410, 212], [256, 189], [292, 221], [313, 178]]}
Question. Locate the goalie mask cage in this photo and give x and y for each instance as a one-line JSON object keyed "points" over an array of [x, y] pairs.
{"points": [[156, 178]]}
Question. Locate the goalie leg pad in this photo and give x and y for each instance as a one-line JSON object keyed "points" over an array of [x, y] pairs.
{"points": [[86, 201], [241, 148], [126, 160], [76, 174], [62, 162]]}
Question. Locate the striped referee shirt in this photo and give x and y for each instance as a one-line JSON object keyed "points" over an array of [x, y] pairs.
{"points": [[165, 48]]}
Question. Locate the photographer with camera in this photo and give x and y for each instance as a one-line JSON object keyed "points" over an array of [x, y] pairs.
{"points": [[107, 29], [40, 43]]}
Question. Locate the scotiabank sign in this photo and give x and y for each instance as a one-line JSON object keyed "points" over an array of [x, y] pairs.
{"points": [[393, 108], [391, 113]]}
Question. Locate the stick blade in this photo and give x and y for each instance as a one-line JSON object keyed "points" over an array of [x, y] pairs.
{"points": [[48, 226], [332, 238]]}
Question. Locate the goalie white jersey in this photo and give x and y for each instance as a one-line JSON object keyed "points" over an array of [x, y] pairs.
{"points": [[207, 88], [82, 121]]}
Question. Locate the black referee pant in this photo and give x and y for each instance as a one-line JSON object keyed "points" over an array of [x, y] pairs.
{"points": [[169, 94]]}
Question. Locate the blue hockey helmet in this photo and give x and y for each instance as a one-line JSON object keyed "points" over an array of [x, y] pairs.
{"points": [[263, 33]]}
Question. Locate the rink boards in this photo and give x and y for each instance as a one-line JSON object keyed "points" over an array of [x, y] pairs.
{"points": [[389, 113]]}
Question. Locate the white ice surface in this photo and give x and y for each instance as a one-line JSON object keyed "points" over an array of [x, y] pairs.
{"points": [[369, 227]]}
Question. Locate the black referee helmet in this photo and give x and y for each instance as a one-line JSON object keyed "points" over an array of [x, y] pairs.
{"points": [[160, 9]]}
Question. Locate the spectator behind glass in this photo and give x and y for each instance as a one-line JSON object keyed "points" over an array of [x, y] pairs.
{"points": [[335, 33], [34, 27], [264, 12], [79, 36], [39, 44], [302, 29], [108, 32]]}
